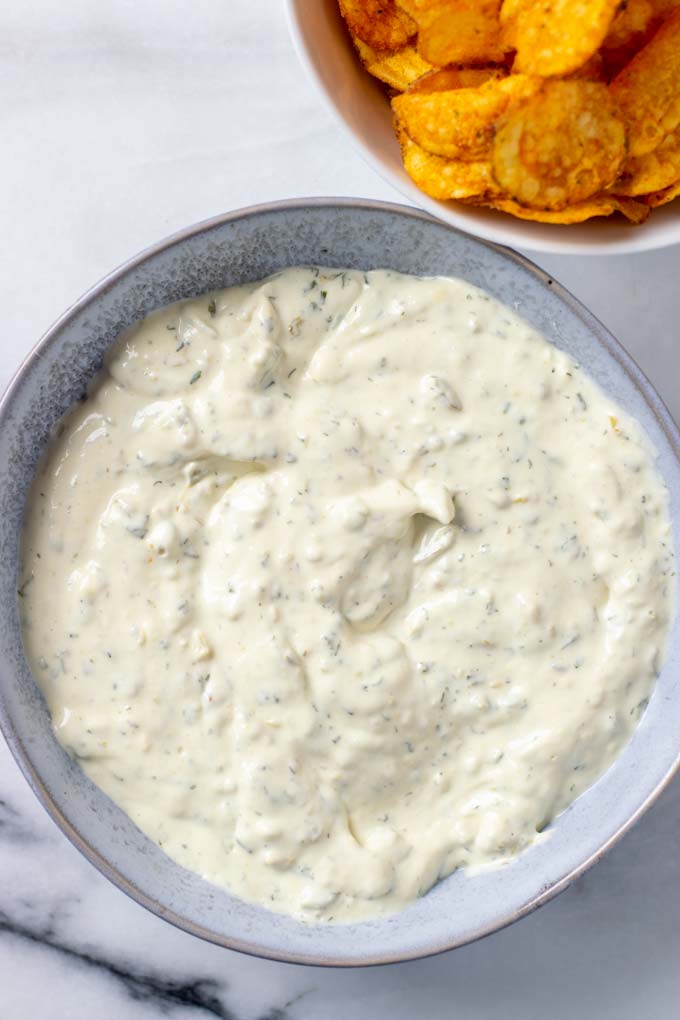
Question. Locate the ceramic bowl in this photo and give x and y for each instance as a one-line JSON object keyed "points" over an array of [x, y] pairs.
{"points": [[245, 246], [362, 108]]}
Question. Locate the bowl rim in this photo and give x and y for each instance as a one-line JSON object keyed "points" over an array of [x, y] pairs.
{"points": [[20, 753], [499, 227]]}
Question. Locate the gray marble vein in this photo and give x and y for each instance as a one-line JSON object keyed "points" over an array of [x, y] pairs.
{"points": [[205, 994], [125, 122], [47, 926]]}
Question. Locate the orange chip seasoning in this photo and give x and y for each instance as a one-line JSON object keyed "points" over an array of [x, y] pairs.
{"points": [[445, 178], [557, 37], [654, 171], [459, 123], [378, 23], [647, 90], [604, 205], [560, 147]]}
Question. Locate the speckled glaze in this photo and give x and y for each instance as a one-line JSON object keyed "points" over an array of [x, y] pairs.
{"points": [[233, 249]]}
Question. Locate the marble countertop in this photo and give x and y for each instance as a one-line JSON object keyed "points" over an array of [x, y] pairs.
{"points": [[122, 121]]}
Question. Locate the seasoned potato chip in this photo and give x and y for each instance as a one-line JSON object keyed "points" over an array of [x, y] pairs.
{"points": [[600, 205], [399, 69], [555, 38], [662, 8], [508, 18], [549, 141], [418, 8], [634, 24], [446, 178], [631, 20], [561, 146], [378, 23], [460, 123], [592, 70], [662, 197], [647, 90], [457, 31], [633, 210], [457, 78], [628, 32], [652, 172]]}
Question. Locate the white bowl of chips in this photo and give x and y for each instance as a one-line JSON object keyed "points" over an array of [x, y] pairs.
{"points": [[362, 105]]}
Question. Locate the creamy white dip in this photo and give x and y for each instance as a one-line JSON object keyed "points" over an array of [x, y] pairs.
{"points": [[338, 582]]}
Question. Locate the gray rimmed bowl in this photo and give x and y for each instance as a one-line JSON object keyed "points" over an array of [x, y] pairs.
{"points": [[233, 249]]}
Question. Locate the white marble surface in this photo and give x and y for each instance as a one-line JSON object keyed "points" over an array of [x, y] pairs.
{"points": [[123, 120]]}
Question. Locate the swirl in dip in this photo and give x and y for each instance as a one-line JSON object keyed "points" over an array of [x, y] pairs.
{"points": [[338, 582]]}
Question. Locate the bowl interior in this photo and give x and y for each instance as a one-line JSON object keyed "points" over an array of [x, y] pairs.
{"points": [[361, 105], [247, 246]]}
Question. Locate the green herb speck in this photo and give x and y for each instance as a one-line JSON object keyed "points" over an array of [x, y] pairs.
{"points": [[195, 377]]}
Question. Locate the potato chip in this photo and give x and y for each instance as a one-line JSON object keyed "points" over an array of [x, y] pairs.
{"points": [[420, 8], [634, 25], [601, 205], [508, 18], [593, 70], [457, 31], [561, 146], [398, 69], [549, 140], [662, 197], [555, 38], [652, 172], [647, 90], [444, 80], [628, 32], [630, 22], [460, 123], [446, 178], [379, 23]]}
